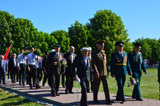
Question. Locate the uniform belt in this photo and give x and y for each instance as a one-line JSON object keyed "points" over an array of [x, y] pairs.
{"points": [[121, 64]]}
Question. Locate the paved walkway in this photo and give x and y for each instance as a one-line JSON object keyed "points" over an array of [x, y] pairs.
{"points": [[71, 99]]}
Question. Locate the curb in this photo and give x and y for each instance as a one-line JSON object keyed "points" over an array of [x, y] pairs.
{"points": [[55, 103]]}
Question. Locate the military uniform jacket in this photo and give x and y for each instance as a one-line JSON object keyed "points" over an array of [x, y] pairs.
{"points": [[54, 58], [99, 62], [137, 63], [69, 61], [120, 64], [83, 72]]}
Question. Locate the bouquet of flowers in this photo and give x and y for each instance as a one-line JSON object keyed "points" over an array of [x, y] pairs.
{"points": [[38, 52], [132, 81], [26, 52], [64, 62]]}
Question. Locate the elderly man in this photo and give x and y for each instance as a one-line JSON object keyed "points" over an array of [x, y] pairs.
{"points": [[70, 56], [3, 69], [119, 67], [137, 63], [99, 65], [83, 73], [13, 67]]}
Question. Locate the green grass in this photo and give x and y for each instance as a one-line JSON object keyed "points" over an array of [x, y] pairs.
{"points": [[149, 86], [10, 99]]}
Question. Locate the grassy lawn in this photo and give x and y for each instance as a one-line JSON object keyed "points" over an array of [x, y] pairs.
{"points": [[10, 99], [149, 86]]}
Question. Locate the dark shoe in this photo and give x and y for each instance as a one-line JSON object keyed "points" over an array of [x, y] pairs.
{"points": [[123, 101], [37, 86], [118, 100], [64, 86], [30, 87], [71, 92], [88, 90], [96, 101], [4, 83], [57, 94], [53, 95], [66, 91], [139, 99], [133, 97], [19, 83], [23, 84], [109, 102]]}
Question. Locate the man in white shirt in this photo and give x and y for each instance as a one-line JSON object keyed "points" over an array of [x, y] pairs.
{"points": [[32, 69], [21, 63]]}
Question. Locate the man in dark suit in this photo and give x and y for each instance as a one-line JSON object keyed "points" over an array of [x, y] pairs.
{"points": [[54, 70], [83, 72], [70, 56], [137, 63], [119, 67], [99, 65], [13, 67], [45, 68]]}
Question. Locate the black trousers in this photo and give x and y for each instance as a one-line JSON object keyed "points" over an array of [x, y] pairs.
{"points": [[13, 74], [69, 82], [45, 77], [22, 74], [39, 74], [63, 79], [83, 101], [33, 75]]}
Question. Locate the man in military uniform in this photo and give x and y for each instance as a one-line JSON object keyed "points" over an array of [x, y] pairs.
{"points": [[119, 67], [70, 56], [83, 73], [54, 64], [99, 65], [137, 63]]}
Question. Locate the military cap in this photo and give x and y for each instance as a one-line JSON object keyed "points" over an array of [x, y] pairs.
{"points": [[89, 48], [84, 49], [137, 44], [101, 42], [52, 50], [57, 45], [119, 43]]}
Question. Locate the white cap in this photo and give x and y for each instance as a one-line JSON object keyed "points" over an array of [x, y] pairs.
{"points": [[89, 48], [53, 50], [84, 49]]}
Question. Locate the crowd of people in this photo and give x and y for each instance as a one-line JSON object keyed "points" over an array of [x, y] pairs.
{"points": [[88, 68]]}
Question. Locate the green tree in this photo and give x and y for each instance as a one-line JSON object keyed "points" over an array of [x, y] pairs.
{"points": [[108, 26], [6, 26], [79, 35], [63, 39], [150, 49]]}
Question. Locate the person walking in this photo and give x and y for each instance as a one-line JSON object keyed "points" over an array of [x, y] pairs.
{"points": [[69, 56], [99, 65], [119, 67], [137, 64]]}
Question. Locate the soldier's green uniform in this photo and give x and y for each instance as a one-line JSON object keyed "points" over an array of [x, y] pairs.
{"points": [[99, 64], [137, 63], [119, 67]]}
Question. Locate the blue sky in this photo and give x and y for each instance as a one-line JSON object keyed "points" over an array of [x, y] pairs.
{"points": [[140, 17]]}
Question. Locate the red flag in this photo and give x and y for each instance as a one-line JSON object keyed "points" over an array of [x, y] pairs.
{"points": [[6, 54]]}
